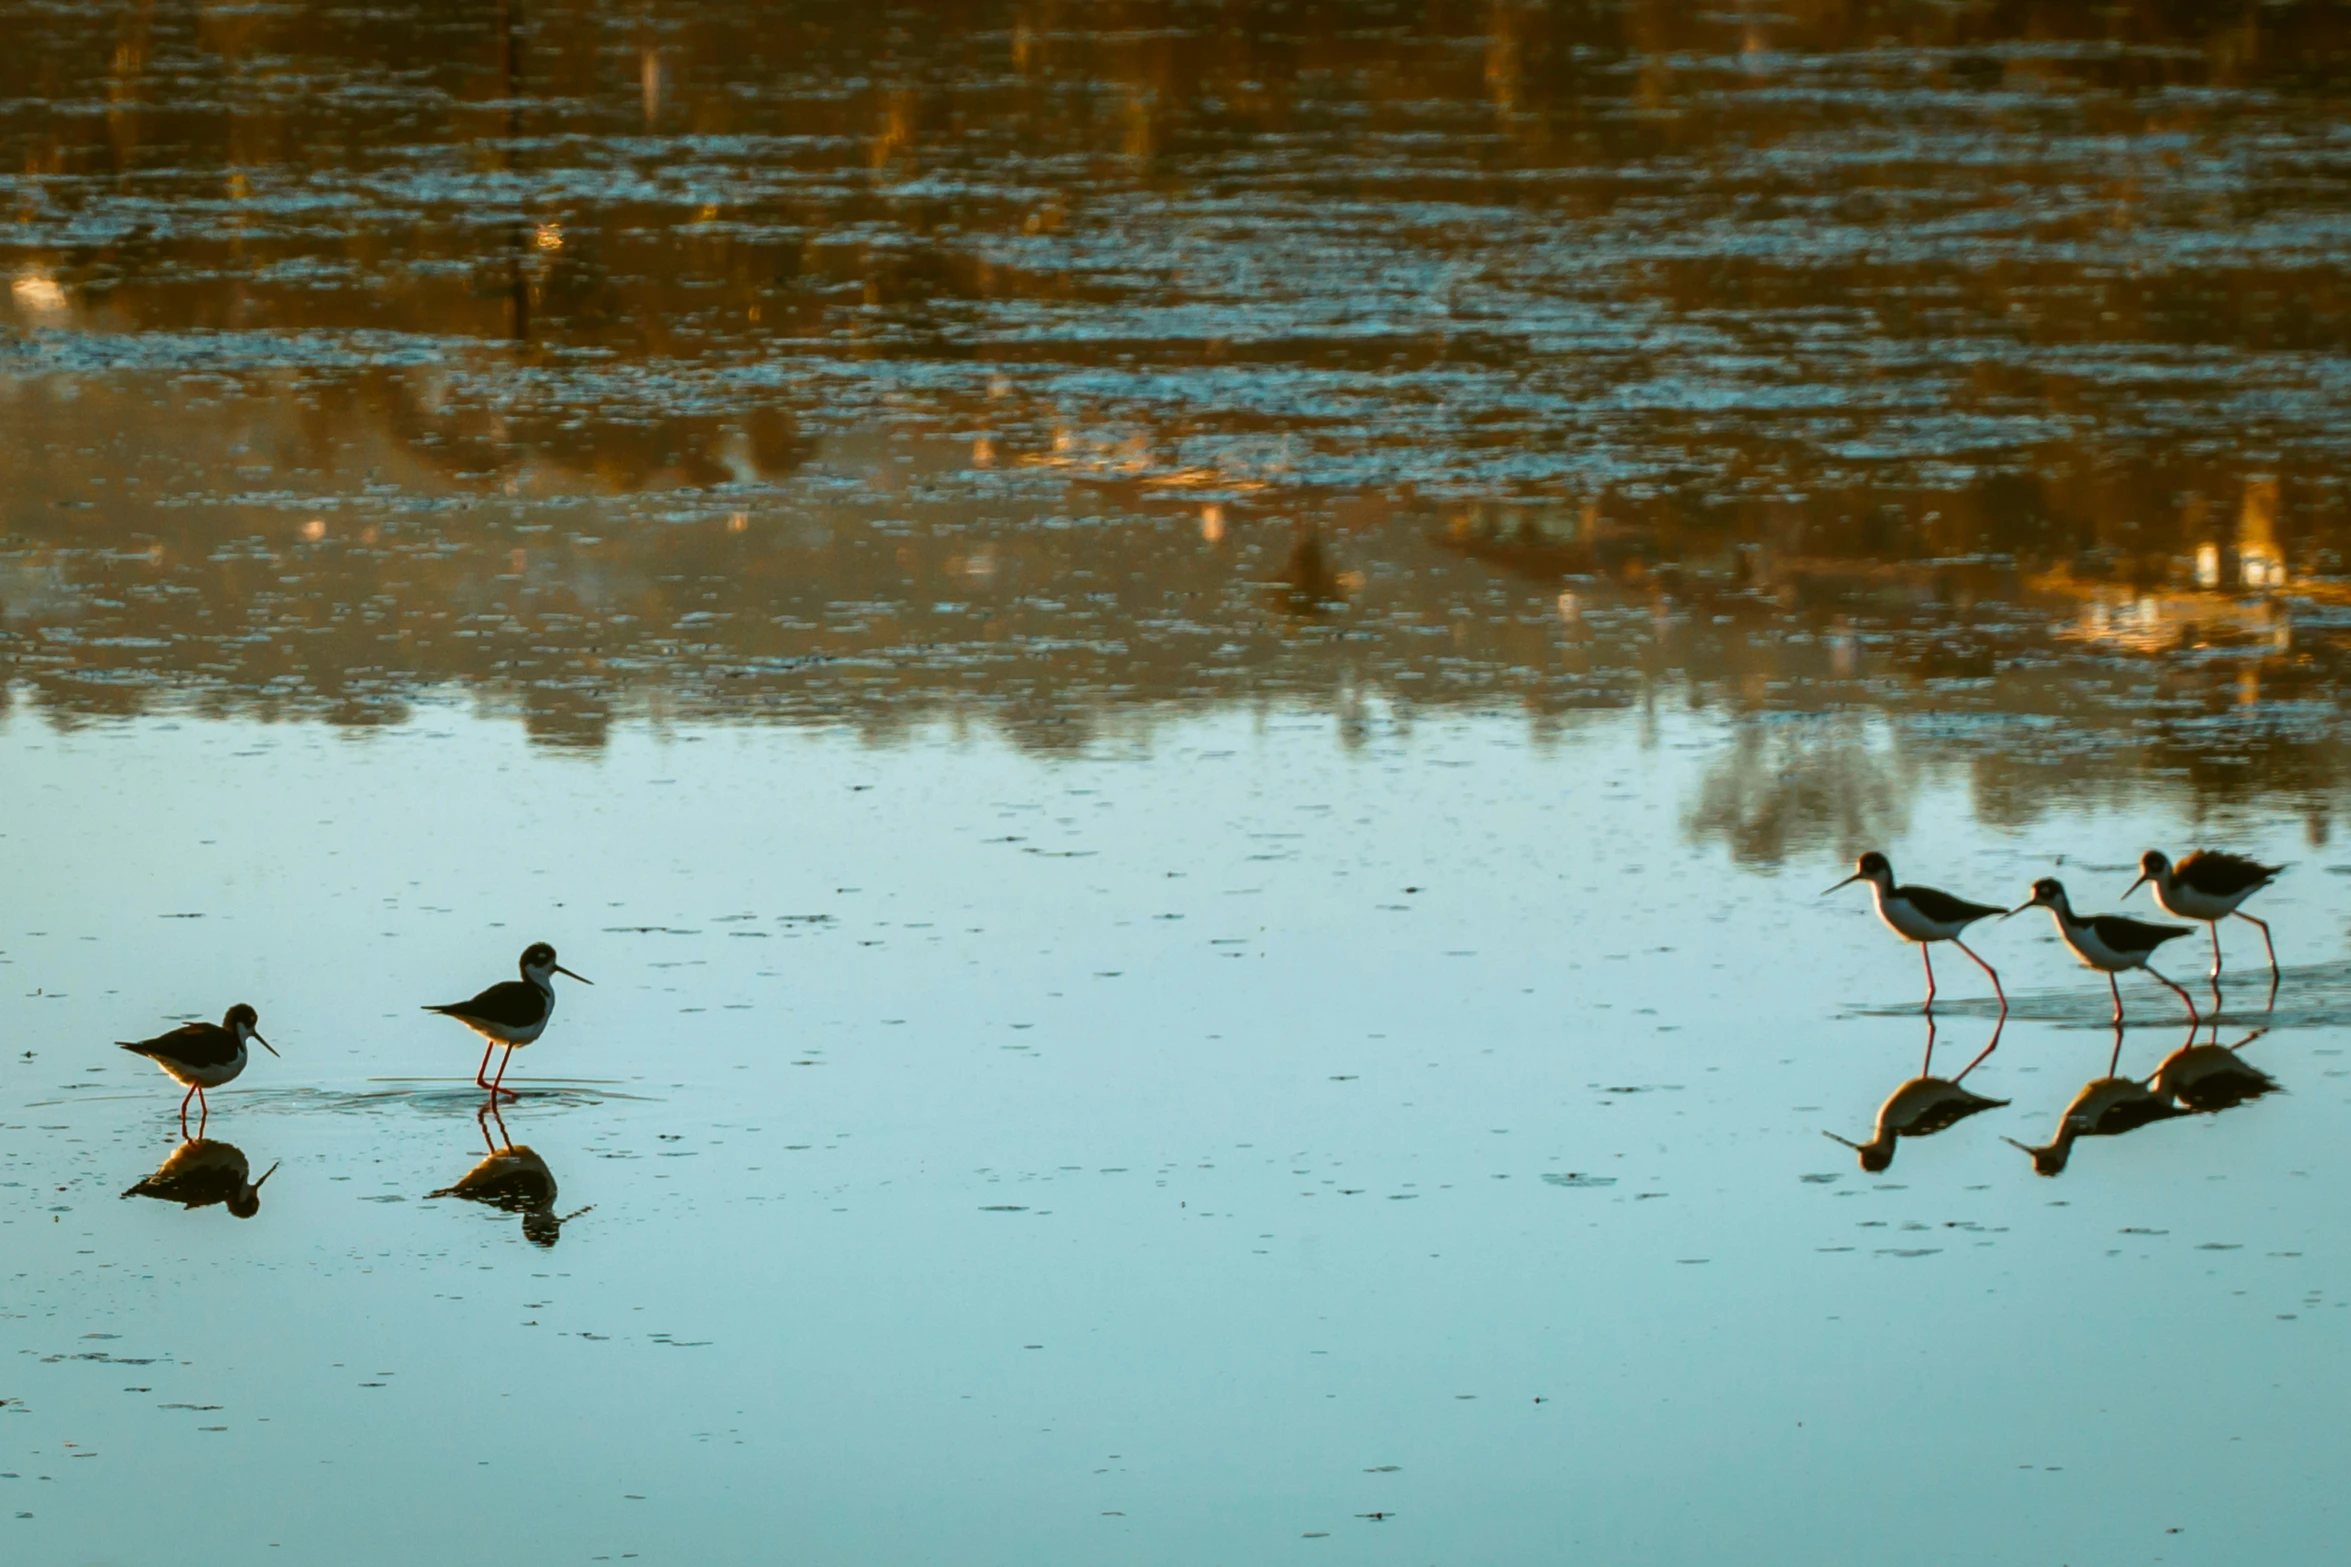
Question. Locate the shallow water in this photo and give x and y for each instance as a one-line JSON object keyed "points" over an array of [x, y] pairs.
{"points": [[1187, 678]]}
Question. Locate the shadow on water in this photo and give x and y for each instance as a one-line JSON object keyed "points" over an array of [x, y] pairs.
{"points": [[2194, 1079], [512, 1178], [1924, 1105], [203, 1172]]}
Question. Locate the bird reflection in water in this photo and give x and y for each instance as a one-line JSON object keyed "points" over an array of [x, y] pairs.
{"points": [[2212, 1077], [512, 1179], [2106, 1107], [200, 1173], [1924, 1105]]}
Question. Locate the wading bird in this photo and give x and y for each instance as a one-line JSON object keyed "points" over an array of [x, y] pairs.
{"points": [[1923, 915], [2109, 943], [513, 1013], [2208, 886], [203, 1055]]}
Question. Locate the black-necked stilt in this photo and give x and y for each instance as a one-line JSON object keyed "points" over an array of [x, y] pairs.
{"points": [[1923, 1106], [512, 1014], [200, 1173], [203, 1055], [2208, 885], [2109, 943], [515, 1180], [2212, 1077], [1923, 915]]}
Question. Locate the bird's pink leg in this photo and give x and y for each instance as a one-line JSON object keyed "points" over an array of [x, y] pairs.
{"points": [[203, 1110], [481, 1074], [2214, 927], [503, 1063], [2183, 995], [1927, 954], [2265, 941], [2117, 989], [184, 1098], [1987, 968]]}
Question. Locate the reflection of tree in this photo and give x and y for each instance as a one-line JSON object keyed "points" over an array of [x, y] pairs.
{"points": [[1790, 786], [1156, 243]]}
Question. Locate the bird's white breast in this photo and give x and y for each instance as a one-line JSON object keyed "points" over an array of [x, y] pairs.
{"points": [[2097, 954], [1904, 919], [206, 1076], [2189, 904], [509, 1034]]}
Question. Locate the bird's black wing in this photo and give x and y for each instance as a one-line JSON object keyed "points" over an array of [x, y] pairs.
{"points": [[191, 1044], [516, 1004], [1943, 908], [2123, 934], [2222, 874]]}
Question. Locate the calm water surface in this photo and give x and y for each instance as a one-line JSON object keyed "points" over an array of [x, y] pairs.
{"points": [[1187, 675]]}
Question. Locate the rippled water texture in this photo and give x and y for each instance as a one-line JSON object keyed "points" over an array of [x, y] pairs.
{"points": [[1187, 674]]}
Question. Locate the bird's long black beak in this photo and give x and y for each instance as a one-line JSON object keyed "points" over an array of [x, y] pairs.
{"points": [[2019, 909], [1847, 882], [2134, 886], [1847, 1141], [582, 978], [273, 1050], [266, 1174]]}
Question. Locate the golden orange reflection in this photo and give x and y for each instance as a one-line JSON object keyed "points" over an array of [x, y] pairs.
{"points": [[1055, 365]]}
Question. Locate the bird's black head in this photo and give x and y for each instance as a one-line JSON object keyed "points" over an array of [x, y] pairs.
{"points": [[245, 1023], [2152, 863], [1873, 865], [538, 963], [542, 1229], [2048, 892]]}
